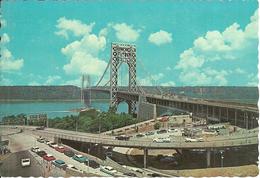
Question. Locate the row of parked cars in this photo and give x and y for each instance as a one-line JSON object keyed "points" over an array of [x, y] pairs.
{"points": [[60, 163]]}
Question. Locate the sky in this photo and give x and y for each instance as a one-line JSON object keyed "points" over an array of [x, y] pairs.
{"points": [[179, 43]]}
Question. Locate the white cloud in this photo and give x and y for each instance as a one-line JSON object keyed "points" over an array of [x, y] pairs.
{"points": [[76, 27], [5, 81], [83, 53], [233, 44], [253, 79], [151, 80], [126, 32], [52, 79], [81, 63], [90, 44], [5, 38], [169, 83], [8, 63], [161, 37]]}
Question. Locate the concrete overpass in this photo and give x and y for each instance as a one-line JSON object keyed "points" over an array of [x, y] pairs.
{"points": [[246, 138]]}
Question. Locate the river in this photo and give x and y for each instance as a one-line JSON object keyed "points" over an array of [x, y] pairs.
{"points": [[52, 109]]}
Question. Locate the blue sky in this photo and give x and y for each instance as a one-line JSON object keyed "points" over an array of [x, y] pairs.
{"points": [[179, 43]]}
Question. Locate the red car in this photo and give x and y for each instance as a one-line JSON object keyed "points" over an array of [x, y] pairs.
{"points": [[60, 149], [48, 157]]}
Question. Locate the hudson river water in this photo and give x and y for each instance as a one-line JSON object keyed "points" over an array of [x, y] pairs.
{"points": [[52, 109]]}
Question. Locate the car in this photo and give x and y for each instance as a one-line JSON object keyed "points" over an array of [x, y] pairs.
{"points": [[149, 133], [48, 142], [41, 153], [92, 164], [140, 135], [200, 139], [108, 170], [41, 140], [122, 137], [158, 140], [48, 157], [59, 163], [166, 140], [53, 145], [136, 170], [153, 175], [162, 140], [130, 174], [25, 162], [190, 139], [79, 158], [69, 153], [35, 149], [109, 154], [40, 128], [161, 131], [70, 166], [60, 149]]}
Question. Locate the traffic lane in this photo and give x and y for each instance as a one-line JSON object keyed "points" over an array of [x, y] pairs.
{"points": [[18, 142], [12, 167], [69, 160]]}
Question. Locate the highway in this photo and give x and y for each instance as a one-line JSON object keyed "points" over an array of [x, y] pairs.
{"points": [[247, 138]]}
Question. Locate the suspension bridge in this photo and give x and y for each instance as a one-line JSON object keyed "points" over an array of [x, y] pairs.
{"points": [[143, 103]]}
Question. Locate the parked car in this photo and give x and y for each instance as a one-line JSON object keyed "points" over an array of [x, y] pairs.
{"points": [[41, 140], [48, 157], [53, 145], [59, 163], [41, 153], [69, 153], [162, 140], [92, 164], [79, 158], [70, 166], [34, 149], [40, 128], [108, 170], [130, 174], [60, 149], [140, 135], [161, 131], [190, 139], [149, 133], [122, 137], [25, 162]]}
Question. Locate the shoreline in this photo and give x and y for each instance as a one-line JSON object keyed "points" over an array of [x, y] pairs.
{"points": [[46, 100]]}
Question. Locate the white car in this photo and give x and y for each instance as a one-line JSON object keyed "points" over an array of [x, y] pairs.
{"points": [[25, 162], [162, 140], [35, 149], [108, 170], [190, 140]]}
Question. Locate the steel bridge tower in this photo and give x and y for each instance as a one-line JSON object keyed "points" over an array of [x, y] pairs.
{"points": [[122, 53]]}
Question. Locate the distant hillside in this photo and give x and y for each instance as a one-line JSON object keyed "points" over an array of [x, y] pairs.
{"points": [[235, 94], [39, 93], [228, 93]]}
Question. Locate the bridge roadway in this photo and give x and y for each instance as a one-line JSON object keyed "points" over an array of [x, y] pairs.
{"points": [[135, 96], [247, 138]]}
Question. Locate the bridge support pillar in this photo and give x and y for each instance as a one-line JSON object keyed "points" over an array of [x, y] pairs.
{"points": [[57, 140], [208, 157], [145, 157]]}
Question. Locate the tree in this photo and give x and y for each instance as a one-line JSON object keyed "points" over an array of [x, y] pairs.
{"points": [[157, 125]]}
